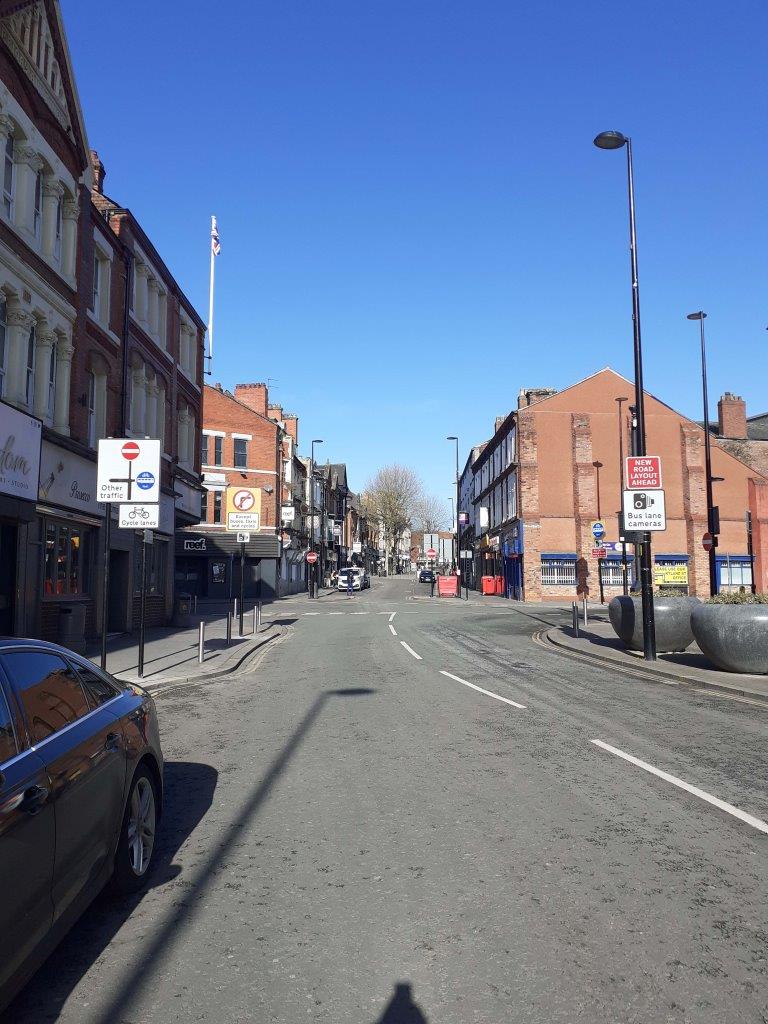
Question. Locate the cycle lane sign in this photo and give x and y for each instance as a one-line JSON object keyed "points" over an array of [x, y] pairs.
{"points": [[139, 517]]}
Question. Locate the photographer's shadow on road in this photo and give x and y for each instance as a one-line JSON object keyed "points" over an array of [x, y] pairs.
{"points": [[188, 794], [401, 1009]]}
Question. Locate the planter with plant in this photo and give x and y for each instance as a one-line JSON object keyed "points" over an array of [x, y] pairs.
{"points": [[732, 631], [672, 616]]}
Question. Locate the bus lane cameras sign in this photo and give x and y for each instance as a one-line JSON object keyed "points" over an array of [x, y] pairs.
{"points": [[128, 471], [644, 510]]}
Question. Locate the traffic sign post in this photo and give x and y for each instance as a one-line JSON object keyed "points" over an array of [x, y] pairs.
{"points": [[707, 541], [643, 472], [598, 529], [431, 554], [138, 517], [243, 509], [644, 511], [311, 560]]}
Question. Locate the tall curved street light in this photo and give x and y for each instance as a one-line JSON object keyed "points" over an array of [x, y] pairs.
{"points": [[456, 521], [312, 569], [701, 316], [615, 140]]}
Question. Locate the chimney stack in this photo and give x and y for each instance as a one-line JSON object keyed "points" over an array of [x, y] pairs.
{"points": [[292, 426], [732, 416], [99, 174], [254, 396]]}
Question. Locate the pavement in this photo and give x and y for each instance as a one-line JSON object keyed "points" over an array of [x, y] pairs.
{"points": [[415, 811]]}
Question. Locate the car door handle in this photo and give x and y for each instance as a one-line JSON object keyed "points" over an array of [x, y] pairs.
{"points": [[34, 798]]}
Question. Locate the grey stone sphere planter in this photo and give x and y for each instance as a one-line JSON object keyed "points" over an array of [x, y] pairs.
{"points": [[733, 636], [672, 616]]}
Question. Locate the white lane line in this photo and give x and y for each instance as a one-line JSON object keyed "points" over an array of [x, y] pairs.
{"points": [[749, 819], [488, 693], [392, 616], [411, 650], [392, 629], [358, 613], [335, 613], [311, 613]]}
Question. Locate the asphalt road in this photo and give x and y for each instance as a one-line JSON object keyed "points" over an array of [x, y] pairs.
{"points": [[354, 836]]}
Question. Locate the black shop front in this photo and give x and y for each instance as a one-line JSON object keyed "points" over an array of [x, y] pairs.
{"points": [[208, 565]]}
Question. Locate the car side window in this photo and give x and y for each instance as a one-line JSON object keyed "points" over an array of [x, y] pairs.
{"points": [[98, 689], [8, 746], [51, 694]]}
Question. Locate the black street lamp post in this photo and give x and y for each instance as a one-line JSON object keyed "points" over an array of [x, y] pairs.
{"points": [[456, 562], [701, 316], [313, 567], [615, 140]]}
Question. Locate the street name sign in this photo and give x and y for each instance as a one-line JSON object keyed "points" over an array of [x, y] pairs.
{"points": [[138, 517], [644, 472], [644, 510], [311, 557], [243, 508], [128, 471], [243, 538]]}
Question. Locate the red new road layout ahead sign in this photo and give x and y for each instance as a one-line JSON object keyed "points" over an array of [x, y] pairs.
{"points": [[644, 472]]}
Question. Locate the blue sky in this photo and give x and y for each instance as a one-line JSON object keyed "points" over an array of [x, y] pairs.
{"points": [[414, 220]]}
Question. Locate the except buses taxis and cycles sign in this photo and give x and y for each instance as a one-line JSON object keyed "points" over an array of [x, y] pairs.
{"points": [[243, 509], [128, 471]]}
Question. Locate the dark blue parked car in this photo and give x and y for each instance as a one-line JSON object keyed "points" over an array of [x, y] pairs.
{"points": [[80, 796]]}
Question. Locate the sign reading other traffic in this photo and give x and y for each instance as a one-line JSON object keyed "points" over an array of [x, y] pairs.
{"points": [[644, 472], [243, 508], [128, 471]]}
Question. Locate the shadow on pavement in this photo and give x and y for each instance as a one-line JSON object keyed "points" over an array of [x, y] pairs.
{"points": [[401, 1008], [188, 794]]}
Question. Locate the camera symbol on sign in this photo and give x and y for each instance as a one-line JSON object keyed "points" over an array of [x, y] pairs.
{"points": [[642, 500]]}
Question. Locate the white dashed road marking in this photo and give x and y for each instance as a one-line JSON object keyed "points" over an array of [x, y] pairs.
{"points": [[749, 819], [411, 651], [488, 693], [392, 616], [392, 629]]}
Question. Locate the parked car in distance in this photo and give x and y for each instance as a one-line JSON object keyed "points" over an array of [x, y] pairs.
{"points": [[360, 578], [426, 576], [81, 792]]}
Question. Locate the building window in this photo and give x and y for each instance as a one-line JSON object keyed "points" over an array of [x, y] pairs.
{"points": [[3, 347], [8, 176], [734, 571], [204, 506], [65, 569], [91, 379], [217, 506], [57, 230], [217, 446], [37, 215], [241, 453], [96, 285], [611, 571], [30, 367], [558, 570], [157, 560], [204, 450], [51, 400]]}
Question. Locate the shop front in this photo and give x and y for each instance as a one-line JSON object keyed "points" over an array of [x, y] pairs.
{"points": [[512, 562], [208, 565], [20, 441]]}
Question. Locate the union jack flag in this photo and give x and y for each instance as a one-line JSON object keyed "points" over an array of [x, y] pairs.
{"points": [[215, 243]]}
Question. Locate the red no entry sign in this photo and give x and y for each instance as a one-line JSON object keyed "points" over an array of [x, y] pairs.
{"points": [[431, 553], [311, 557], [706, 541], [131, 451]]}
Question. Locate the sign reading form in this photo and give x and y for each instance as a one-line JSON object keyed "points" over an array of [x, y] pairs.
{"points": [[20, 438]]}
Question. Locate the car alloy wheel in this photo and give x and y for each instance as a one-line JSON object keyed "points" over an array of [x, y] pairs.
{"points": [[142, 821]]}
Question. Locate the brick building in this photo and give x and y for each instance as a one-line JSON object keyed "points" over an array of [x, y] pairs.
{"points": [[241, 445], [66, 346], [552, 468]]}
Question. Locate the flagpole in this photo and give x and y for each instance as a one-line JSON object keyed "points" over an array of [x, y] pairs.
{"points": [[210, 295]]}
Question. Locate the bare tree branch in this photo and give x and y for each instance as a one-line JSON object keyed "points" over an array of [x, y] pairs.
{"points": [[430, 514]]}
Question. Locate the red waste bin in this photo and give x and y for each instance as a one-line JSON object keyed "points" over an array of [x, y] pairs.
{"points": [[499, 589], [447, 586], [487, 585]]}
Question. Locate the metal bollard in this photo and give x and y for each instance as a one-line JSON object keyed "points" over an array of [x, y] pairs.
{"points": [[235, 611], [585, 610], [255, 619], [229, 627], [258, 627], [201, 643], [575, 611]]}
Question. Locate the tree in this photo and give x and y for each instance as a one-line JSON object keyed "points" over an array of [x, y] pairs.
{"points": [[391, 497], [430, 513]]}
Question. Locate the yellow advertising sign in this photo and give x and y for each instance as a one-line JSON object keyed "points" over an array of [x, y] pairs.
{"points": [[671, 575], [243, 509]]}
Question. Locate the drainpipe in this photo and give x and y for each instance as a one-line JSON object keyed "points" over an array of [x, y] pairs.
{"points": [[128, 256]]}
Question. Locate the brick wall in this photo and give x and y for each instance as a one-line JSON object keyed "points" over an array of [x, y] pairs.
{"points": [[528, 499], [255, 396]]}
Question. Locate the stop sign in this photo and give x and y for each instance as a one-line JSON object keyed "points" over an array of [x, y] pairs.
{"points": [[130, 450], [706, 541], [431, 553], [311, 557]]}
